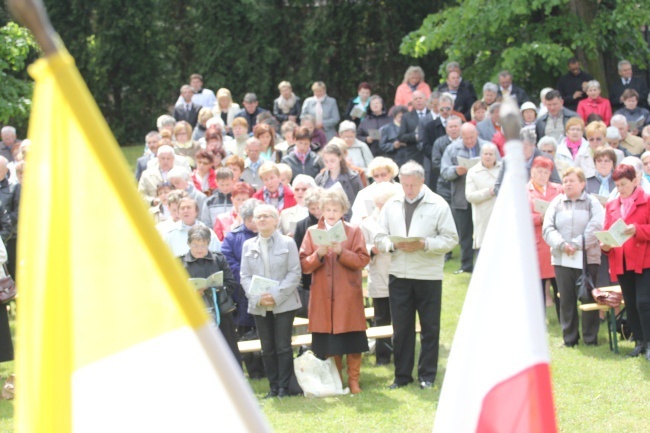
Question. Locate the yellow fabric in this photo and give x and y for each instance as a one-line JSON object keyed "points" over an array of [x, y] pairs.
{"points": [[94, 275]]}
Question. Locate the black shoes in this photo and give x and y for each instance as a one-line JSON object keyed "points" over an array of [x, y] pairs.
{"points": [[272, 393], [280, 393], [396, 385], [638, 350]]}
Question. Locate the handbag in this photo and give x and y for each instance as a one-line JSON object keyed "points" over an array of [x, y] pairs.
{"points": [[7, 288], [584, 284], [226, 302]]}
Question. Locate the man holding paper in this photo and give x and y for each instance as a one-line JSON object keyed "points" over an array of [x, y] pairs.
{"points": [[415, 275]]}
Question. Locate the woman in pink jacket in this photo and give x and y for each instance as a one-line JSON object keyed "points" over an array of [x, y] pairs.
{"points": [[630, 263], [413, 80], [595, 104]]}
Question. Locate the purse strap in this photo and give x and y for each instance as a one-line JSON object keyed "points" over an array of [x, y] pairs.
{"points": [[4, 266]]}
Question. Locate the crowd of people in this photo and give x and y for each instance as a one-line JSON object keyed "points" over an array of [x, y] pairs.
{"points": [[251, 191]]}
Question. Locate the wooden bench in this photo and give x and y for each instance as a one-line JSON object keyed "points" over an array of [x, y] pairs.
{"points": [[610, 315]]}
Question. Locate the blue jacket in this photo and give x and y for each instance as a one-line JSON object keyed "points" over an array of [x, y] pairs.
{"points": [[232, 248]]}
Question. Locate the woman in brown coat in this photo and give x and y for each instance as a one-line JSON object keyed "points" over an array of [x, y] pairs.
{"points": [[336, 317]]}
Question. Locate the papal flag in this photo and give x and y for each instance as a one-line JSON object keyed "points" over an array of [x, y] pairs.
{"points": [[497, 378], [110, 336]]}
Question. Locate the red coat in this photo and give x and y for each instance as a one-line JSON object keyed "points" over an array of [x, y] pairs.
{"points": [[637, 249], [546, 270], [289, 199], [600, 106], [212, 182], [336, 295]]}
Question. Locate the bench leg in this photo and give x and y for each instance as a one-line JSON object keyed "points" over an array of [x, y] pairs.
{"points": [[611, 315]]}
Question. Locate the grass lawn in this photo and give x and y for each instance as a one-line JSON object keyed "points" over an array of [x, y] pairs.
{"points": [[595, 390]]}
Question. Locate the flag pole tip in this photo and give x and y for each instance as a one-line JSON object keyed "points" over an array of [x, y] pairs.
{"points": [[32, 14]]}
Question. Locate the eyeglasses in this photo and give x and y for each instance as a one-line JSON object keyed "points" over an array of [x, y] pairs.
{"points": [[199, 246], [263, 217], [445, 109], [575, 128], [595, 139]]}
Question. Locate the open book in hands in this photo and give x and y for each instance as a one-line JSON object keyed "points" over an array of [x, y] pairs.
{"points": [[328, 237], [540, 206], [615, 236], [400, 239], [261, 285], [214, 280], [468, 162]]}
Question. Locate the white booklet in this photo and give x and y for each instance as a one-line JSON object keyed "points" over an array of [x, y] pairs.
{"points": [[375, 134], [615, 236], [399, 239], [574, 261], [468, 162], [214, 280], [357, 112], [328, 237], [261, 285], [370, 206], [541, 206]]}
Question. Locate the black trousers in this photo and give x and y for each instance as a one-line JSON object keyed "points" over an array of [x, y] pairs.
{"points": [[636, 292], [275, 335], [556, 298], [465, 228], [566, 283], [406, 297], [384, 347]]}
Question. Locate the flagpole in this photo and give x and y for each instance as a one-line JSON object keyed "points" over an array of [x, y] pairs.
{"points": [[32, 14]]}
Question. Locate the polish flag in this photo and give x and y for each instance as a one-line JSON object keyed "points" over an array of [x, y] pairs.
{"points": [[498, 377]]}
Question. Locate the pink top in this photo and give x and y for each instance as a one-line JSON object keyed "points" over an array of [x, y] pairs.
{"points": [[600, 106], [404, 94]]}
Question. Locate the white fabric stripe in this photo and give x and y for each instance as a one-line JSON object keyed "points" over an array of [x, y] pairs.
{"points": [[182, 381], [501, 330]]}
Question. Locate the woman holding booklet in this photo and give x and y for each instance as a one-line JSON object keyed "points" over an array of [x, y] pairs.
{"points": [[336, 313], [270, 274], [540, 193], [569, 225], [630, 263], [202, 263]]}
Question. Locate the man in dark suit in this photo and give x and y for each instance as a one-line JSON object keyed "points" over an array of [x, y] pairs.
{"points": [[153, 141], [187, 110], [627, 81], [572, 85], [434, 130], [410, 131], [552, 122], [506, 88], [463, 97]]}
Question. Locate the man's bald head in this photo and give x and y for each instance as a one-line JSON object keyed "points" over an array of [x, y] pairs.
{"points": [[419, 100]]}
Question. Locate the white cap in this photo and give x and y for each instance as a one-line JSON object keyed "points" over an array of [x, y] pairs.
{"points": [[528, 106]]}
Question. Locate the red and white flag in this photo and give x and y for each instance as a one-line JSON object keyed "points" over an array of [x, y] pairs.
{"points": [[498, 377]]}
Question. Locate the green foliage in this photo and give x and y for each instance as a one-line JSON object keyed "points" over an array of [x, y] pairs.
{"points": [[532, 39], [17, 47]]}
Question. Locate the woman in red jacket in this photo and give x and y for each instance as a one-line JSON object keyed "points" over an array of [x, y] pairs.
{"points": [[336, 316], [630, 263]]}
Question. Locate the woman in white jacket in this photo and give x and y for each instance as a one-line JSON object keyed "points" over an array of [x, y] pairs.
{"points": [[479, 190]]}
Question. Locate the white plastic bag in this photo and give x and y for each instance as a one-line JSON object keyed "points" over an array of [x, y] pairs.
{"points": [[316, 377]]}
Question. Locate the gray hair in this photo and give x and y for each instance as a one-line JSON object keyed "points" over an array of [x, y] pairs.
{"points": [[593, 83], [8, 129], [447, 97], [547, 139], [454, 117], [490, 146], [304, 179], [179, 172], [165, 148], [410, 71], [490, 87], [150, 134], [384, 191], [434, 95], [543, 92], [186, 87], [312, 196], [374, 98], [347, 125], [199, 232], [308, 118], [634, 162], [337, 196], [247, 208], [214, 121], [505, 73], [528, 134], [411, 168], [253, 140], [494, 107], [267, 208], [451, 66], [613, 133], [165, 120], [623, 63], [383, 162], [250, 97], [618, 118]]}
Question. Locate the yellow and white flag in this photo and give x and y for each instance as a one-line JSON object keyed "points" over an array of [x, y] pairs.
{"points": [[110, 337]]}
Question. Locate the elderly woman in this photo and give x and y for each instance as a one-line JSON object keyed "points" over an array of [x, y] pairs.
{"points": [[184, 145], [286, 106], [637, 117], [630, 263], [357, 106], [569, 223], [371, 124], [388, 142], [528, 113], [613, 138], [359, 153], [227, 221], [176, 238], [413, 81], [290, 217], [323, 108], [596, 133], [490, 93], [594, 103], [231, 248], [205, 114], [225, 108], [337, 171], [336, 314], [479, 190], [381, 169], [200, 262], [378, 268], [572, 142], [272, 256], [540, 188], [548, 146]]}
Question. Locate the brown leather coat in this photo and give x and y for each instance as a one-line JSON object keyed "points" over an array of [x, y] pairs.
{"points": [[336, 299]]}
